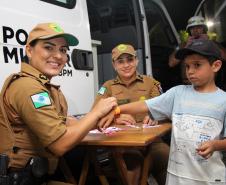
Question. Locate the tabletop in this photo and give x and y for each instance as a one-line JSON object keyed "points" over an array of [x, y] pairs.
{"points": [[128, 136]]}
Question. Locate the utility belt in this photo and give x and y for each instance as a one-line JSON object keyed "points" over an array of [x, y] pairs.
{"points": [[34, 173]]}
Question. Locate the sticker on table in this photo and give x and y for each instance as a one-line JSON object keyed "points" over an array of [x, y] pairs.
{"points": [[107, 131], [150, 126]]}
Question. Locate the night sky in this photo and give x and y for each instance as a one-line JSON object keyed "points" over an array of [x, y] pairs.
{"points": [[181, 10]]}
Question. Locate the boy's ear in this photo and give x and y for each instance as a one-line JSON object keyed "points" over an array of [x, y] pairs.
{"points": [[216, 65]]}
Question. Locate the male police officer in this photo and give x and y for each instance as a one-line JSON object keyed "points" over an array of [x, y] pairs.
{"points": [[34, 127]]}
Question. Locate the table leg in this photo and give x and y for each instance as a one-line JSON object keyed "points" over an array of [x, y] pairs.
{"points": [[146, 167], [85, 169], [67, 172], [121, 166], [103, 180]]}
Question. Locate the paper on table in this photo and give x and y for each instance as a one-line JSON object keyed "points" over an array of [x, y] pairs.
{"points": [[109, 130], [150, 126]]}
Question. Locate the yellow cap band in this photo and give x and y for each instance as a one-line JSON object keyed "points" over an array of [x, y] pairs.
{"points": [[117, 111]]}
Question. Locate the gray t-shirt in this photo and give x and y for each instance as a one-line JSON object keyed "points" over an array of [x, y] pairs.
{"points": [[196, 118]]}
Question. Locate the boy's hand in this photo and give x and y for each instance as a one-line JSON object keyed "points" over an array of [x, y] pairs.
{"points": [[125, 119], [147, 120], [206, 149]]}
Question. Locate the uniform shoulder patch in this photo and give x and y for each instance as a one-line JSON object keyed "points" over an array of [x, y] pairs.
{"points": [[102, 90], [142, 98], [41, 99]]}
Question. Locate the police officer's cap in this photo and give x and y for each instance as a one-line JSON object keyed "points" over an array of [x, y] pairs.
{"points": [[50, 30]]}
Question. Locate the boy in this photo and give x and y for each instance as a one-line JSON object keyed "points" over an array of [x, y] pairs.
{"points": [[198, 114]]}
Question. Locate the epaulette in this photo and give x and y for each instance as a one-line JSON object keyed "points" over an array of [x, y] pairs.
{"points": [[140, 76]]}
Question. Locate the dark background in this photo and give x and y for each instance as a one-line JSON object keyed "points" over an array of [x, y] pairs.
{"points": [[180, 11]]}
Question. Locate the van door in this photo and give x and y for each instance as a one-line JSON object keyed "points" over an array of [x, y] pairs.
{"points": [[133, 22], [163, 39], [214, 12], [19, 17]]}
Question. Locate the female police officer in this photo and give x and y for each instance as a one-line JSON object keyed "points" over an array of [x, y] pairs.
{"points": [[33, 114], [130, 86]]}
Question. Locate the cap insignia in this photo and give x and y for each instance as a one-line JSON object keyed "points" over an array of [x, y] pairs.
{"points": [[56, 28], [122, 47]]}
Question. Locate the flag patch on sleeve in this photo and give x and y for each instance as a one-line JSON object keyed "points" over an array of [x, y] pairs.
{"points": [[102, 90], [41, 100]]}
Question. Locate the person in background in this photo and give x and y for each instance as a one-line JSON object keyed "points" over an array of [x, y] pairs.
{"points": [[34, 126], [198, 114], [196, 29], [130, 86]]}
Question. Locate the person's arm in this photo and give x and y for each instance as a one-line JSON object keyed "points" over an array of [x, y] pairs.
{"points": [[172, 60], [130, 108], [156, 90], [77, 129], [207, 148], [159, 107], [104, 92]]}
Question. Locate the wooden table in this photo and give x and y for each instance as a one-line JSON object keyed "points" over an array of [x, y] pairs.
{"points": [[129, 137]]}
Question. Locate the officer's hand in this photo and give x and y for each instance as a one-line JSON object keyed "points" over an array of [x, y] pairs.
{"points": [[125, 119], [147, 120], [104, 106], [106, 120]]}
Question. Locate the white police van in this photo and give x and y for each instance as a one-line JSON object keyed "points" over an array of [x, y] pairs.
{"points": [[103, 23]]}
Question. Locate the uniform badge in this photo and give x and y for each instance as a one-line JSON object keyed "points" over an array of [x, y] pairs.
{"points": [[43, 77], [142, 98], [41, 100], [123, 101], [102, 90]]}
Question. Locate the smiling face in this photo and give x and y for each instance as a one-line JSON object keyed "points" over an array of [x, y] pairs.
{"points": [[125, 65], [48, 56], [200, 72]]}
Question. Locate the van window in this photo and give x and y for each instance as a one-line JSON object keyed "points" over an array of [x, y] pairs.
{"points": [[108, 21], [112, 22], [63, 3]]}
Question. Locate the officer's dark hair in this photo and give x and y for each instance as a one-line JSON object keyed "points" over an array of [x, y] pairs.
{"points": [[32, 44]]}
